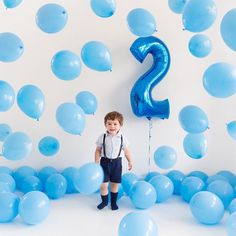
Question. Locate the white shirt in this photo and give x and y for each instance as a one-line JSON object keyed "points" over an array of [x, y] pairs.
{"points": [[112, 145]]}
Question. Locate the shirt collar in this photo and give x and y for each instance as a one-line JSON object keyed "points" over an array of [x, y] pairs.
{"points": [[117, 135]]}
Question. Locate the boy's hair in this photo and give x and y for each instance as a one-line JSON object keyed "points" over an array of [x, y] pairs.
{"points": [[114, 115]]}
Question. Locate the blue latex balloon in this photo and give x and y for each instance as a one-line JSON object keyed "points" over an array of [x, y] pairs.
{"points": [[70, 174], [138, 224], [71, 118], [163, 186], [165, 157], [231, 225], [8, 180], [31, 183], [223, 190], [4, 188], [199, 15], [143, 195], [17, 146], [232, 206], [227, 29], [150, 175], [141, 22], [193, 119], [200, 45], [213, 178], [219, 80], [200, 174], [141, 99], [195, 145], [103, 8], [231, 129], [230, 176], [5, 130], [51, 18], [176, 177], [48, 146], [190, 186], [89, 178], [7, 96], [11, 3], [177, 6], [11, 47], [34, 207], [6, 170], [207, 208], [46, 172], [31, 101], [96, 56], [127, 181], [9, 203], [21, 173], [66, 65], [87, 101], [55, 186]]}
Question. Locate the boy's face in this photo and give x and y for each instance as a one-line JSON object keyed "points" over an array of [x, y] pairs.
{"points": [[112, 126]]}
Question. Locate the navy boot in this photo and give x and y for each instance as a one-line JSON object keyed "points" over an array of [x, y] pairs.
{"points": [[104, 202], [113, 201]]}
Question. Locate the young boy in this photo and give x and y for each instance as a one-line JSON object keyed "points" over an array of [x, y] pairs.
{"points": [[111, 147]]}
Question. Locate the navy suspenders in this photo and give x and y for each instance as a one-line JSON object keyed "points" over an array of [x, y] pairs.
{"points": [[104, 149]]}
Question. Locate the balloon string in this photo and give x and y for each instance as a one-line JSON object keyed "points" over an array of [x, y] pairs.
{"points": [[149, 144]]}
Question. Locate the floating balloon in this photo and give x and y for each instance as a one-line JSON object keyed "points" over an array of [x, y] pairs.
{"points": [[138, 224], [9, 203], [96, 56], [55, 186], [71, 118], [11, 3], [165, 157], [48, 146], [51, 18], [193, 119], [199, 15], [219, 80], [177, 6], [17, 146], [141, 22], [34, 207], [195, 145], [5, 130], [103, 8], [89, 178], [231, 129], [200, 45], [11, 47], [228, 29], [7, 96], [66, 65], [143, 195], [87, 101], [31, 101], [141, 99], [207, 208]]}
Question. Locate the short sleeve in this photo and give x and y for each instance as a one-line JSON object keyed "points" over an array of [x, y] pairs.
{"points": [[99, 141], [125, 142]]}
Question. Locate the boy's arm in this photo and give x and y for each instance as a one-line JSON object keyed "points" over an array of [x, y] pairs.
{"points": [[128, 157], [98, 154]]}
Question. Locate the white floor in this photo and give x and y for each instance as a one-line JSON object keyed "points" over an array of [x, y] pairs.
{"points": [[77, 215]]}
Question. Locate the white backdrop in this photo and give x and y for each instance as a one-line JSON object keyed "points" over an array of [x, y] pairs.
{"points": [[182, 85]]}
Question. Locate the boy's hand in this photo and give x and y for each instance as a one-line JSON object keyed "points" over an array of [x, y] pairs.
{"points": [[130, 165]]}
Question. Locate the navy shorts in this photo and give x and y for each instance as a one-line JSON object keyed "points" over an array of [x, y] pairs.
{"points": [[112, 169]]}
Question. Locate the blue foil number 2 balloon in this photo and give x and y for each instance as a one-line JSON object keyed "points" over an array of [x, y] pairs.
{"points": [[141, 100]]}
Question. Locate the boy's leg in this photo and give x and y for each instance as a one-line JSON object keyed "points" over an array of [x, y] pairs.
{"points": [[114, 194], [104, 196]]}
